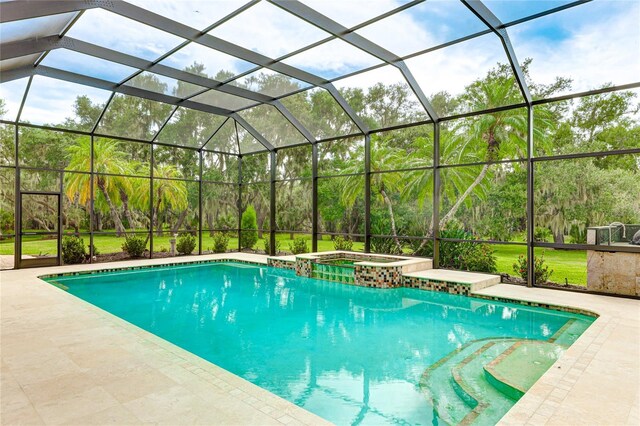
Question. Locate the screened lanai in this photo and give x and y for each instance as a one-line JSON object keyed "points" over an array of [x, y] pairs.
{"points": [[487, 135]]}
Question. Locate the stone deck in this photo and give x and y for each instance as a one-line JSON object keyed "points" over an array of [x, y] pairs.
{"points": [[65, 361]]}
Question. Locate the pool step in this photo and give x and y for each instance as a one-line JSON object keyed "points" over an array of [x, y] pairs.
{"points": [[479, 382], [569, 333], [515, 370], [450, 281], [450, 398], [469, 377]]}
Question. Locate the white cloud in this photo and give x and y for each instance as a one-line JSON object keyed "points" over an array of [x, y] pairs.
{"points": [[454, 67], [198, 14], [332, 59], [12, 93], [51, 101], [213, 60], [352, 12], [115, 32], [593, 44], [423, 26], [269, 30]]}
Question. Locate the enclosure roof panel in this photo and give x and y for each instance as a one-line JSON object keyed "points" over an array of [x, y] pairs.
{"points": [[35, 27], [332, 59], [353, 13], [269, 30], [423, 26], [236, 57], [201, 60], [57, 104], [270, 83], [106, 29], [593, 45], [190, 128], [511, 10], [12, 93], [79, 63], [198, 14], [162, 84]]}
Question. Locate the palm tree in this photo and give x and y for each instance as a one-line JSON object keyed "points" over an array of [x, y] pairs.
{"points": [[382, 184], [107, 158], [167, 194]]}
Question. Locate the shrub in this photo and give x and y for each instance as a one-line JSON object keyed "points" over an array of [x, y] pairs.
{"points": [[226, 222], [299, 246], [73, 250], [267, 246], [464, 255], [249, 223], [134, 246], [186, 244], [542, 235], [541, 271], [578, 234], [479, 257], [344, 244], [220, 242], [96, 252], [384, 245]]}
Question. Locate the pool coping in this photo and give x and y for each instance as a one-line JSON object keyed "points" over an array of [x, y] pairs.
{"points": [[188, 261], [602, 362]]}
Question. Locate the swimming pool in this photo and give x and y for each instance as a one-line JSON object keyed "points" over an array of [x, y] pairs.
{"points": [[349, 354]]}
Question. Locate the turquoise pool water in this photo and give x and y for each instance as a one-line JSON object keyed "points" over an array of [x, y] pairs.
{"points": [[350, 354]]}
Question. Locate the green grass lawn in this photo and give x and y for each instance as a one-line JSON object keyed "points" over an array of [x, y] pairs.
{"points": [[567, 265]]}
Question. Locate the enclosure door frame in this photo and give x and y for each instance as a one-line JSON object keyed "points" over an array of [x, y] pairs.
{"points": [[38, 262]]}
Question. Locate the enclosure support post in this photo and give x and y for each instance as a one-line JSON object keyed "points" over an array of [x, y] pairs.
{"points": [[530, 209], [367, 193], [60, 222], [272, 206], [314, 198], [91, 214], [152, 162], [436, 194], [17, 255], [200, 204], [239, 204], [17, 239]]}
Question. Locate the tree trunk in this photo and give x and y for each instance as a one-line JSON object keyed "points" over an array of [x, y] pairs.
{"points": [[451, 213], [180, 221], [97, 221], [155, 222], [394, 231], [112, 209], [209, 218], [127, 212], [464, 196], [558, 236]]}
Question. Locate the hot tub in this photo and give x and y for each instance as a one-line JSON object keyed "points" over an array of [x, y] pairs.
{"points": [[367, 270]]}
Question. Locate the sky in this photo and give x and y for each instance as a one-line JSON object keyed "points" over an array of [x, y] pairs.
{"points": [[593, 44]]}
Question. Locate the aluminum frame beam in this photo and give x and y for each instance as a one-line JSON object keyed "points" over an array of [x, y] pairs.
{"points": [[126, 90], [21, 48], [27, 9], [249, 128], [317, 19], [168, 25], [26, 47], [490, 20], [294, 121]]}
